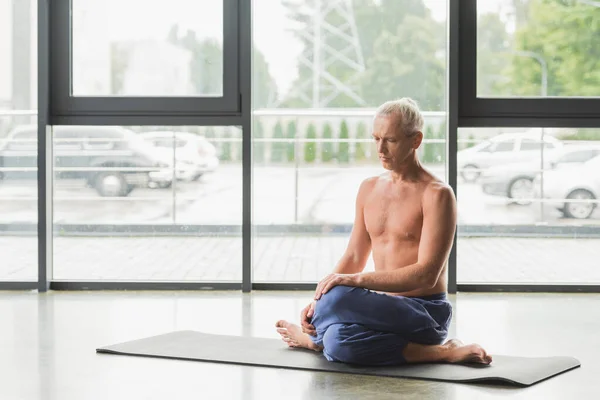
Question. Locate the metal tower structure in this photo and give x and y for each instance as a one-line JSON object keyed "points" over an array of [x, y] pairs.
{"points": [[333, 49]]}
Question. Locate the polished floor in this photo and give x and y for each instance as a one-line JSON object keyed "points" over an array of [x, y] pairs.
{"points": [[48, 342]]}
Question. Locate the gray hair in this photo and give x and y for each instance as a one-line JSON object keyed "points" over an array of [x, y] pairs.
{"points": [[407, 113]]}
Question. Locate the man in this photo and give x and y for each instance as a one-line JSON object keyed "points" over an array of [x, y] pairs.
{"points": [[407, 218]]}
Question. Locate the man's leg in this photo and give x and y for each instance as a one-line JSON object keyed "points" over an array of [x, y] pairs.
{"points": [[388, 319], [453, 351], [354, 344]]}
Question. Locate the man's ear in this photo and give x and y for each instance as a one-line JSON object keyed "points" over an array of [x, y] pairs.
{"points": [[418, 139]]}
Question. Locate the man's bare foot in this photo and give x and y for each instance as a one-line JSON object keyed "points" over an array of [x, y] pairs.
{"points": [[457, 352], [294, 337]]}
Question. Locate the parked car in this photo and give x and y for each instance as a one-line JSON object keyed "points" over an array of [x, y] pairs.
{"points": [[113, 160], [504, 149], [194, 155], [563, 187], [515, 180]]}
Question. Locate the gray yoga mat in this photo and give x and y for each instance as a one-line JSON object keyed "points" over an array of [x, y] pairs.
{"points": [[197, 346]]}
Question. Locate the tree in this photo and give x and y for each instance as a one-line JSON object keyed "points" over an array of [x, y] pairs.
{"points": [[416, 70], [344, 145], [226, 145], [206, 67], [565, 34], [493, 57], [264, 87], [278, 148], [327, 148], [259, 145], [291, 144], [310, 147], [362, 151], [404, 63], [428, 150]]}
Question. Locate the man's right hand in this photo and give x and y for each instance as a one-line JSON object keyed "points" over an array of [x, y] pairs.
{"points": [[305, 317]]}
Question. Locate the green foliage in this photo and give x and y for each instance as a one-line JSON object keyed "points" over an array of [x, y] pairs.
{"points": [[361, 147], [565, 35], [291, 145], [400, 43], [327, 147], [225, 146], [434, 152], [206, 66], [344, 146], [590, 134], [471, 142], [259, 146], [428, 148], [278, 148], [310, 147], [493, 56], [404, 63], [264, 88]]}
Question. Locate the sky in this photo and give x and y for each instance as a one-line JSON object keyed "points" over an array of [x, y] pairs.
{"points": [[205, 16]]}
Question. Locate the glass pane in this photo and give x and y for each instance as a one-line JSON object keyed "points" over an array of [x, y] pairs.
{"points": [[525, 215], [313, 118], [537, 48], [127, 207], [18, 170], [158, 48]]}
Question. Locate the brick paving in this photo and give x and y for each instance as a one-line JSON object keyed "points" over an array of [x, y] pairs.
{"points": [[288, 259]]}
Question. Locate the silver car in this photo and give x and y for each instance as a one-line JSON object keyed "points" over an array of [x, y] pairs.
{"points": [[573, 189], [515, 181], [504, 149], [194, 155]]}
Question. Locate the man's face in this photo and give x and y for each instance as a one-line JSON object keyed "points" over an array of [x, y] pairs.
{"points": [[393, 146]]}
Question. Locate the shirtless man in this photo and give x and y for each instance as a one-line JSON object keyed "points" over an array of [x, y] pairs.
{"points": [[407, 218]]}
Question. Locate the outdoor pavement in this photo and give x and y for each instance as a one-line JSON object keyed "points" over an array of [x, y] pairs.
{"points": [[288, 258]]}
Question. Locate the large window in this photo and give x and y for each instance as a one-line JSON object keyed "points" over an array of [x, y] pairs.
{"points": [[538, 48], [158, 48], [319, 72], [147, 203], [18, 192], [529, 215]]}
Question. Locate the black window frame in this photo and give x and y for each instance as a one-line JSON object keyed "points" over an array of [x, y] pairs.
{"points": [[542, 112], [66, 108]]}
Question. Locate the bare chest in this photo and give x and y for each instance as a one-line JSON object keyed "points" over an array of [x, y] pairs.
{"points": [[396, 214]]}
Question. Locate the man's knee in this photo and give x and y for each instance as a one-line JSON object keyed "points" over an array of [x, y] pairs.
{"points": [[336, 348], [333, 300], [353, 344]]}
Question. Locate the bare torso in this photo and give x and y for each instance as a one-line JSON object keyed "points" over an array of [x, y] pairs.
{"points": [[393, 215]]}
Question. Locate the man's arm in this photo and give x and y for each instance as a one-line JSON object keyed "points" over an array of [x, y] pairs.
{"points": [[439, 226], [358, 250]]}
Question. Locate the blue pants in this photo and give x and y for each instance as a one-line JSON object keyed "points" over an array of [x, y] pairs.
{"points": [[359, 326]]}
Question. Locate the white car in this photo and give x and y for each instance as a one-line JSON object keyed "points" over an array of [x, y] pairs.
{"points": [[194, 155], [504, 149], [573, 189], [515, 180]]}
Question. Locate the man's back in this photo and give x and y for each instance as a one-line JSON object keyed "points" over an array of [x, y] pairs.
{"points": [[393, 218]]}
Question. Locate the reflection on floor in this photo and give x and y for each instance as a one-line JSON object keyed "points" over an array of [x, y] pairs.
{"points": [[48, 346], [288, 258]]}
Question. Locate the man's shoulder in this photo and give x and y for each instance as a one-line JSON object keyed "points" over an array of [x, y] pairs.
{"points": [[438, 192], [370, 182]]}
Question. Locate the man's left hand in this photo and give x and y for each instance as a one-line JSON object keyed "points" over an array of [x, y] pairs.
{"points": [[332, 280]]}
